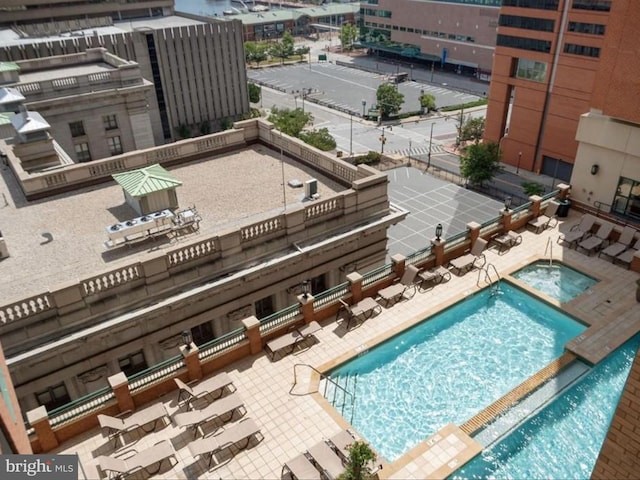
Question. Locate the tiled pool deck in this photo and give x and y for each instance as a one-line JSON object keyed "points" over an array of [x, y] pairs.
{"points": [[292, 419]]}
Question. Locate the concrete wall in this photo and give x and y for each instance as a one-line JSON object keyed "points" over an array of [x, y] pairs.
{"points": [[11, 420]]}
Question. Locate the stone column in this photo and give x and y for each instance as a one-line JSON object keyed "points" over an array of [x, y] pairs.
{"points": [[564, 191], [39, 419], [635, 262], [252, 324], [120, 386], [306, 307], [474, 232], [355, 285], [399, 264], [437, 247], [535, 205], [506, 220], [192, 361]]}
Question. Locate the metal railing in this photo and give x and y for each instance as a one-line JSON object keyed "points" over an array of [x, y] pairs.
{"points": [[331, 295], [280, 318], [419, 256], [156, 373], [223, 343], [80, 406], [377, 274]]}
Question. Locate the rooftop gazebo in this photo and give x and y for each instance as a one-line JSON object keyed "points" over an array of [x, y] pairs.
{"points": [[149, 189]]}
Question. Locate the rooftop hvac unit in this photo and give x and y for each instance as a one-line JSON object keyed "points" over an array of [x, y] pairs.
{"points": [[311, 188]]}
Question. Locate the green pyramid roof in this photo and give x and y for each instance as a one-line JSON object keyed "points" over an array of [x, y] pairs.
{"points": [[144, 181]]}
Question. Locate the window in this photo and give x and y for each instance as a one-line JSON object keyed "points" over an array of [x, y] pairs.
{"points": [[53, 397], [264, 307], [527, 23], [539, 4], [115, 146], [318, 285], [522, 43], [202, 333], [590, 28], [77, 129], [583, 50], [110, 122], [132, 363], [627, 199], [598, 5], [530, 70], [82, 152]]}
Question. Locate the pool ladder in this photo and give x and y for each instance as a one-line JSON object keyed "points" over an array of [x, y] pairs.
{"points": [[549, 248], [337, 386], [488, 270]]}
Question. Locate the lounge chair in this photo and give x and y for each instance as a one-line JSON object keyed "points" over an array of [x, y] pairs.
{"points": [[293, 338], [328, 461], [197, 418], [362, 310], [434, 276], [340, 443], [507, 240], [577, 232], [115, 427], [546, 220], [118, 467], [595, 242], [300, 468], [471, 260], [217, 384], [394, 292], [230, 436], [624, 241], [626, 257]]}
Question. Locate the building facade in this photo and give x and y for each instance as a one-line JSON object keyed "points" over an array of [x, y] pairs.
{"points": [[13, 435], [453, 34], [548, 64]]}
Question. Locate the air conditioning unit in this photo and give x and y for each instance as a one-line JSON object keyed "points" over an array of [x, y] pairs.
{"points": [[311, 188]]}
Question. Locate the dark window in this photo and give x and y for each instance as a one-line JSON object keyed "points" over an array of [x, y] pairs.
{"points": [[522, 43], [53, 397], [539, 4], [82, 152], [110, 122], [591, 28], [77, 129], [264, 307], [318, 285], [583, 50], [202, 333], [115, 145], [527, 23], [598, 5], [530, 70], [133, 363], [627, 199]]}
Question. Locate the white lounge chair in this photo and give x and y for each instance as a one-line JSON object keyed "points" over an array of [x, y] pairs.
{"points": [[300, 468], [328, 461], [471, 260], [123, 465], [214, 387], [578, 232], [507, 240], [394, 292], [624, 241], [626, 257], [364, 309], [115, 427], [595, 242], [546, 220], [293, 338], [434, 276], [197, 418]]}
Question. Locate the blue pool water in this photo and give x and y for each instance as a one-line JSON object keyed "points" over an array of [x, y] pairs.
{"points": [[449, 368], [557, 280], [564, 439]]}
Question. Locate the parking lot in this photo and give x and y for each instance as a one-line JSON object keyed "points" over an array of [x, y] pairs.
{"points": [[349, 89]]}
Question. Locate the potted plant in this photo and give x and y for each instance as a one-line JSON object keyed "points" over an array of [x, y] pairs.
{"points": [[360, 457]]}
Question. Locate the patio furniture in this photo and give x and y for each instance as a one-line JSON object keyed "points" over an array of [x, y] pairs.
{"points": [[340, 443], [119, 467], [546, 220], [328, 461], [300, 468], [595, 242], [626, 257], [204, 388], [507, 240], [577, 232], [394, 292], [230, 436], [197, 418], [293, 338], [363, 310], [471, 260], [434, 276], [624, 241], [115, 427]]}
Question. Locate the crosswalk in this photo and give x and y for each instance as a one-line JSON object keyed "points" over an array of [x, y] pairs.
{"points": [[415, 151]]}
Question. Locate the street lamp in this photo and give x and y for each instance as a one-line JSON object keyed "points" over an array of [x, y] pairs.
{"points": [[409, 152], [438, 231], [364, 106], [383, 140], [305, 289], [507, 203], [186, 340], [430, 138], [518, 165], [411, 72]]}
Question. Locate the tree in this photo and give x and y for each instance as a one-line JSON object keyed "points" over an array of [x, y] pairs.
{"points": [[183, 130], [532, 188], [348, 35], [256, 52], [255, 91], [480, 162], [279, 50], [427, 101], [472, 129], [287, 42], [320, 139], [289, 121], [360, 456], [389, 99], [301, 51], [205, 127]]}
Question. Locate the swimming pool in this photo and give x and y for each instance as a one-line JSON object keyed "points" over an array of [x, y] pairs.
{"points": [[449, 368], [564, 439], [556, 280]]}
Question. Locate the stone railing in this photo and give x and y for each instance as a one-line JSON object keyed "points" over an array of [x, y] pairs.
{"points": [[48, 430]]}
